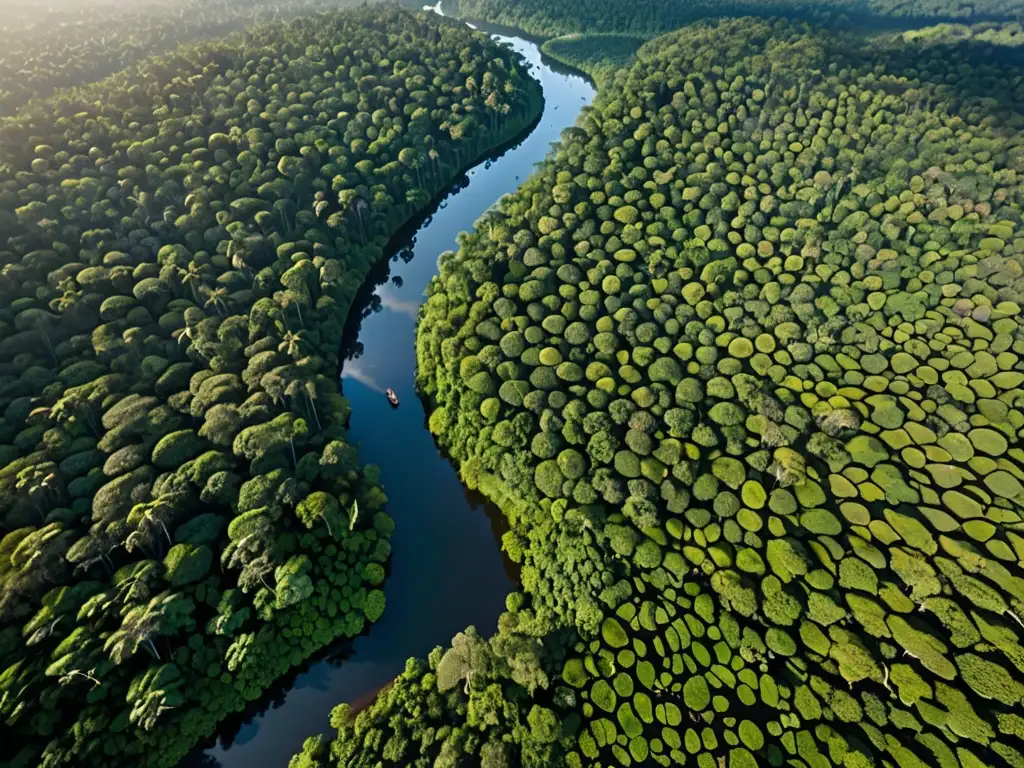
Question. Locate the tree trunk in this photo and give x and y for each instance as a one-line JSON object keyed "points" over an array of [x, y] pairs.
{"points": [[169, 542], [270, 588], [49, 346], [316, 416]]}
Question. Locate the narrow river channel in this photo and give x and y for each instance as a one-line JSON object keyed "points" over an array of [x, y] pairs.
{"points": [[447, 568]]}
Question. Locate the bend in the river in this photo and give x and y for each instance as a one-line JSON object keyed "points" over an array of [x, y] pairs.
{"points": [[447, 568]]}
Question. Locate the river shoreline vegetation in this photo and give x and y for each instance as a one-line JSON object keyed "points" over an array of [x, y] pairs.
{"points": [[741, 365], [598, 55], [649, 18], [181, 517]]}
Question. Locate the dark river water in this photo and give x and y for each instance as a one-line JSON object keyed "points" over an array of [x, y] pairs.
{"points": [[447, 568]]}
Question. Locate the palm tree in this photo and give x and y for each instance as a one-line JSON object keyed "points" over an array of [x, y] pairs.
{"points": [[147, 710], [217, 299], [292, 344], [194, 277], [150, 518], [296, 428], [187, 334], [239, 258], [238, 553], [69, 677], [138, 628]]}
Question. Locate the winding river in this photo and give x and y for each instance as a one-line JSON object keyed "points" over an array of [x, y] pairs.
{"points": [[447, 568]]}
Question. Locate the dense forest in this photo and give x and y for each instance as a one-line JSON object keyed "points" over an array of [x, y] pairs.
{"points": [[741, 364], [599, 55], [69, 42], [549, 18], [1007, 34], [181, 517]]}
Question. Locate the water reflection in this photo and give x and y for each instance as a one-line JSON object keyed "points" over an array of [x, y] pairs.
{"points": [[392, 301], [447, 570]]}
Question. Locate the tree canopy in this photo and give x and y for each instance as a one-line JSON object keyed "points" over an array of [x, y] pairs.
{"points": [[551, 18], [181, 517], [66, 43], [741, 364]]}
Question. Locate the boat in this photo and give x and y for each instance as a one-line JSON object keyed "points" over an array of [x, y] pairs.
{"points": [[392, 397]]}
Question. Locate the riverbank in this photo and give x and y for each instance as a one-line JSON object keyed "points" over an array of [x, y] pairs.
{"points": [[447, 569]]}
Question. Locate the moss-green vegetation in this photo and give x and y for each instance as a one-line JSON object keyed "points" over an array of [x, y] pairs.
{"points": [[597, 55], [791, 263], [181, 517], [551, 18], [65, 43], [1008, 34]]}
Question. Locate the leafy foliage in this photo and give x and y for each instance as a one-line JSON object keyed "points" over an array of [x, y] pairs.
{"points": [[66, 43], [181, 517], [597, 55], [551, 18], [798, 541]]}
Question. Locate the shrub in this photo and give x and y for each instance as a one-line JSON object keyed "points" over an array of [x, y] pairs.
{"points": [[665, 369], [574, 674], [187, 563], [603, 696], [176, 448], [482, 383], [572, 464], [373, 605], [613, 634], [548, 478], [696, 693]]}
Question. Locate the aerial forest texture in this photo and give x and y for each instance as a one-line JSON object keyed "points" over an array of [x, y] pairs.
{"points": [[741, 364], [549, 18], [66, 43], [181, 517]]}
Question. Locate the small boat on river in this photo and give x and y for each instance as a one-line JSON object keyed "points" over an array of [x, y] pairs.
{"points": [[392, 397]]}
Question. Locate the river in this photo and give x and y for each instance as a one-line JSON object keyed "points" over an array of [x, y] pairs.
{"points": [[447, 570]]}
